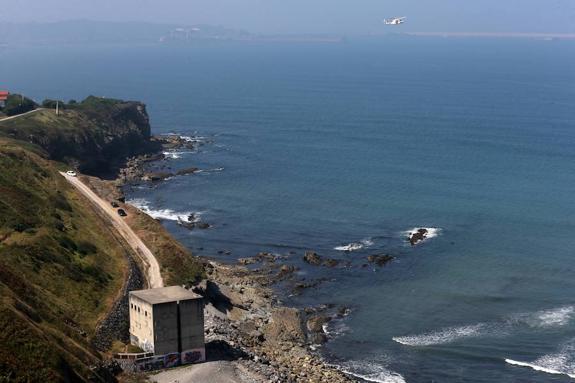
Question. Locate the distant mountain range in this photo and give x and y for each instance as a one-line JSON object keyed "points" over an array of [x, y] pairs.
{"points": [[85, 31]]}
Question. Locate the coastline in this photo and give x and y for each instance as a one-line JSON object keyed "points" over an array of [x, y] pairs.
{"points": [[250, 335]]}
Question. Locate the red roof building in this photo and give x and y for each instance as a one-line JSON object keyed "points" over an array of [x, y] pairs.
{"points": [[4, 95]]}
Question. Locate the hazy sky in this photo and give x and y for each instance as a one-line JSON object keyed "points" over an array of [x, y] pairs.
{"points": [[312, 16]]}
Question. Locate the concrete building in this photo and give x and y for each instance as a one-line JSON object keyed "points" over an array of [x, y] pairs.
{"points": [[168, 321]]}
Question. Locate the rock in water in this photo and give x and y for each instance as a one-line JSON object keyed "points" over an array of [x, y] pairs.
{"points": [[417, 236], [380, 260], [312, 258], [183, 172]]}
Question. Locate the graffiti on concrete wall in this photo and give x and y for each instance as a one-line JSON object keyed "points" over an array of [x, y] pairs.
{"points": [[194, 356], [172, 360], [150, 364]]}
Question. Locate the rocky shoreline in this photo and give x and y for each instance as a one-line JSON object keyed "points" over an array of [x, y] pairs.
{"points": [[246, 324], [136, 168]]}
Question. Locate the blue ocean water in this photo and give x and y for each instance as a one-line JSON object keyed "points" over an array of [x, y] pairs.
{"points": [[317, 146]]}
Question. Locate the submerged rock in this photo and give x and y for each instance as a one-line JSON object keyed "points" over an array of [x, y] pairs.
{"points": [[156, 176], [315, 259], [247, 261], [183, 172], [380, 260]]}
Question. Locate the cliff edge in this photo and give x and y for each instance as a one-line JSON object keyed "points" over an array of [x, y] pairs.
{"points": [[96, 136]]}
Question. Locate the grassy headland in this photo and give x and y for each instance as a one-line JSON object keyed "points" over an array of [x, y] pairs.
{"points": [[96, 135], [61, 268]]}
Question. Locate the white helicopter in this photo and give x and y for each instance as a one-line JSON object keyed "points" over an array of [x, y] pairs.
{"points": [[395, 21]]}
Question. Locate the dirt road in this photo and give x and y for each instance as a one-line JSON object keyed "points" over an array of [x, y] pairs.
{"points": [[152, 267]]}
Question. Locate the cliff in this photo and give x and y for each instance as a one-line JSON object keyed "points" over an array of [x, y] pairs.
{"points": [[96, 136]]}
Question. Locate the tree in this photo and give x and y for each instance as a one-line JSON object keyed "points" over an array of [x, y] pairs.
{"points": [[18, 104], [51, 104]]}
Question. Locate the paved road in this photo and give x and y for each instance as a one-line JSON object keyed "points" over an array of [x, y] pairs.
{"points": [[21, 115], [150, 262]]}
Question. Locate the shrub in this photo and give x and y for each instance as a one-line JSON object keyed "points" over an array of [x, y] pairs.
{"points": [[67, 243], [85, 248]]}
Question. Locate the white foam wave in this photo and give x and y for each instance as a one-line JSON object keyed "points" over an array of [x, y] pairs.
{"points": [[371, 372], [173, 154], [443, 336], [210, 170], [193, 139], [354, 246], [555, 317], [560, 363], [165, 214], [538, 367], [335, 328]]}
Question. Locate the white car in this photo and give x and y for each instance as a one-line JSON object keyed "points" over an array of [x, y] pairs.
{"points": [[71, 173]]}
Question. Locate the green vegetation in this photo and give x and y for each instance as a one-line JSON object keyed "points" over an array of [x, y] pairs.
{"points": [[60, 268], [59, 271], [18, 104], [51, 104], [178, 265], [96, 135]]}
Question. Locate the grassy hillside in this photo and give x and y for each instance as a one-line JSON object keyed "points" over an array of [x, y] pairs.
{"points": [[59, 270], [178, 265]]}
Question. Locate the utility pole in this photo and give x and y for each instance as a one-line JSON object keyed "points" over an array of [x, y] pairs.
{"points": [[57, 108]]}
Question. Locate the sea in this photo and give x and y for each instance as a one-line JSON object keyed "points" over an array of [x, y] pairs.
{"points": [[342, 149]]}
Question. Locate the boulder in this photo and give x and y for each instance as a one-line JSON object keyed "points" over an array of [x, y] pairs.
{"points": [[315, 323], [285, 325]]}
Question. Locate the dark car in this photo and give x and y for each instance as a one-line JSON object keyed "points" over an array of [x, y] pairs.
{"points": [[114, 204], [122, 213]]}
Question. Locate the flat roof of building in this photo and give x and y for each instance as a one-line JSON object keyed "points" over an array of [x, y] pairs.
{"points": [[165, 294]]}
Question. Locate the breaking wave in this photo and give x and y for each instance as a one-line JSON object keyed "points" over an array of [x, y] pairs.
{"points": [[174, 154], [194, 139], [214, 170], [354, 246], [547, 318], [560, 363], [556, 317], [164, 214], [335, 328], [443, 336], [370, 371]]}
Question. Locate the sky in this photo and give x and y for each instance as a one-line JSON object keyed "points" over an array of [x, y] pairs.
{"points": [[312, 16]]}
